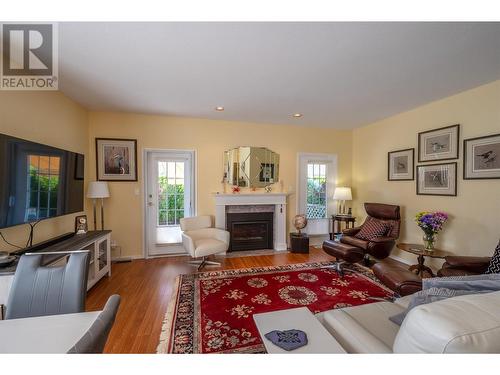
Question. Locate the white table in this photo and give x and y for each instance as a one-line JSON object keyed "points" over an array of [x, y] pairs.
{"points": [[45, 334], [319, 339]]}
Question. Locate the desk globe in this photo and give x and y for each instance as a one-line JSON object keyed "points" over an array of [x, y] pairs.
{"points": [[299, 222]]}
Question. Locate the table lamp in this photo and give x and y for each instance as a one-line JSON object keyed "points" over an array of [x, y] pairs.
{"points": [[98, 190], [342, 194]]}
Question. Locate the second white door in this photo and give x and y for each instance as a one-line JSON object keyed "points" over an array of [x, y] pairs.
{"points": [[170, 197]]}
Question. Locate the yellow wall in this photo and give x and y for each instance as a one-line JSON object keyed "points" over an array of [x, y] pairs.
{"points": [[474, 227], [50, 118], [210, 139]]}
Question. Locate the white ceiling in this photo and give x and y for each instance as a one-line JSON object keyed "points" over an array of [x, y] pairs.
{"points": [[339, 75]]}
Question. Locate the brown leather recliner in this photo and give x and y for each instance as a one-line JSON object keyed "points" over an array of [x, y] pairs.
{"points": [[404, 282], [352, 249], [464, 265]]}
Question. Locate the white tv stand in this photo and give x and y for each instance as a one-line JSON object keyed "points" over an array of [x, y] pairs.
{"points": [[97, 242]]}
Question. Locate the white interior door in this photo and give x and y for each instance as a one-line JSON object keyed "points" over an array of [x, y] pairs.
{"points": [[316, 184], [169, 197]]}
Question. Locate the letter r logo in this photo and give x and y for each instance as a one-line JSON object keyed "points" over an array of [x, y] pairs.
{"points": [[27, 49]]}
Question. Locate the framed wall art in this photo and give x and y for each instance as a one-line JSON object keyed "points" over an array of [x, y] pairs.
{"points": [[439, 144], [400, 165], [482, 157], [437, 179], [266, 172], [116, 159]]}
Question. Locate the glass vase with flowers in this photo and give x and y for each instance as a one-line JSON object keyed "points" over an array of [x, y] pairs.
{"points": [[431, 223]]}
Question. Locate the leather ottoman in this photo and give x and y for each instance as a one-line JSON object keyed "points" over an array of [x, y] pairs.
{"points": [[398, 279], [349, 253]]}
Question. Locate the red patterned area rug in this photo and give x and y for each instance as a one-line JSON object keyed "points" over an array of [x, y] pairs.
{"points": [[211, 312]]}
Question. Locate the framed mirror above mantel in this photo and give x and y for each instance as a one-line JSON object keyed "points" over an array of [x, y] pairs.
{"points": [[253, 167]]}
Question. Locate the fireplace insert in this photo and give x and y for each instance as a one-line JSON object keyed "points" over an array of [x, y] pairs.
{"points": [[250, 230]]}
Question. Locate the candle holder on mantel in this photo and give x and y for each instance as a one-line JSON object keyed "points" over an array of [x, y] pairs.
{"points": [[223, 184]]}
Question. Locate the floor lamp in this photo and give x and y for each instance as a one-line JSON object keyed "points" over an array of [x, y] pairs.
{"points": [[98, 190]]}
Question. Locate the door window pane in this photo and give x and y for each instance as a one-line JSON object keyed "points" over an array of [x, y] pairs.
{"points": [[171, 192], [316, 191], [43, 186]]}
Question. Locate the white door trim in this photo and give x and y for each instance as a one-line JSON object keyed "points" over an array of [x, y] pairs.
{"points": [[332, 159], [145, 186]]}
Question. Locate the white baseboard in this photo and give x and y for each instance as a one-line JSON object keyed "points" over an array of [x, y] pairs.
{"points": [[402, 260], [124, 258]]}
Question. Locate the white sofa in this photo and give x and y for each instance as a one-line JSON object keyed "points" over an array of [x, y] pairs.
{"points": [[465, 324]]}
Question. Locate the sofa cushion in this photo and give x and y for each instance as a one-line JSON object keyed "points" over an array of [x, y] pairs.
{"points": [[465, 324], [364, 329], [494, 266], [427, 296], [372, 229]]}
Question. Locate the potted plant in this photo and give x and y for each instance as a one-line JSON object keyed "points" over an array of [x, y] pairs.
{"points": [[431, 223]]}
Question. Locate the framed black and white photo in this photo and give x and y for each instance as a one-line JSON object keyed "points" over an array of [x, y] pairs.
{"points": [[116, 159], [81, 226], [266, 172], [482, 157], [437, 179], [400, 165], [439, 144]]}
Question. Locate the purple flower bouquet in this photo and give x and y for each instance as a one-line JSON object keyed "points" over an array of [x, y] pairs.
{"points": [[431, 223]]}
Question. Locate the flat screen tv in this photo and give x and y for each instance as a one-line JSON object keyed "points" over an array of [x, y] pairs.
{"points": [[38, 182]]}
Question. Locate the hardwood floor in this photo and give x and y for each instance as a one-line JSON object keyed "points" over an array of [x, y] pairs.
{"points": [[145, 287]]}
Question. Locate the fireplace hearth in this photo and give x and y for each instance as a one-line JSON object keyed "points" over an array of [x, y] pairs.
{"points": [[250, 230]]}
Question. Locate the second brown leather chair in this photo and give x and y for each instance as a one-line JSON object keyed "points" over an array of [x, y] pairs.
{"points": [[464, 265], [352, 249]]}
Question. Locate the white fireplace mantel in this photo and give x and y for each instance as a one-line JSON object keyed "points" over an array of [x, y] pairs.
{"points": [[239, 199]]}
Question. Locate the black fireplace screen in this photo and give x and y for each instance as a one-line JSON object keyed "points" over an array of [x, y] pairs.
{"points": [[250, 231]]}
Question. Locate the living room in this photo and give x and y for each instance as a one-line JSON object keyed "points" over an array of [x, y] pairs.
{"points": [[370, 147]]}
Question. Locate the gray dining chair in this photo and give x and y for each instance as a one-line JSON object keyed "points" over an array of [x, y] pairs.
{"points": [[94, 340], [39, 290]]}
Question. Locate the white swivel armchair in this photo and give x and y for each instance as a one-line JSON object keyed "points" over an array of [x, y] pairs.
{"points": [[200, 239]]}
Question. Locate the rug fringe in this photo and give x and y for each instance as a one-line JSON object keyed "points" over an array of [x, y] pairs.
{"points": [[166, 328]]}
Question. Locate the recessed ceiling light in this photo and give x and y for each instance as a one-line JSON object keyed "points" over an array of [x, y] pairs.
{"points": [[219, 109], [297, 115]]}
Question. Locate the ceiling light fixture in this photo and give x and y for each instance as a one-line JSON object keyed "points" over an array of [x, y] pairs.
{"points": [[297, 115], [219, 109]]}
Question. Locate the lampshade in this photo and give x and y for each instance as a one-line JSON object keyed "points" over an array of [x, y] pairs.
{"points": [[342, 194], [98, 189]]}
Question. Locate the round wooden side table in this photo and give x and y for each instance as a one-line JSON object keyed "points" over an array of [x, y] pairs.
{"points": [[347, 219], [419, 250]]}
